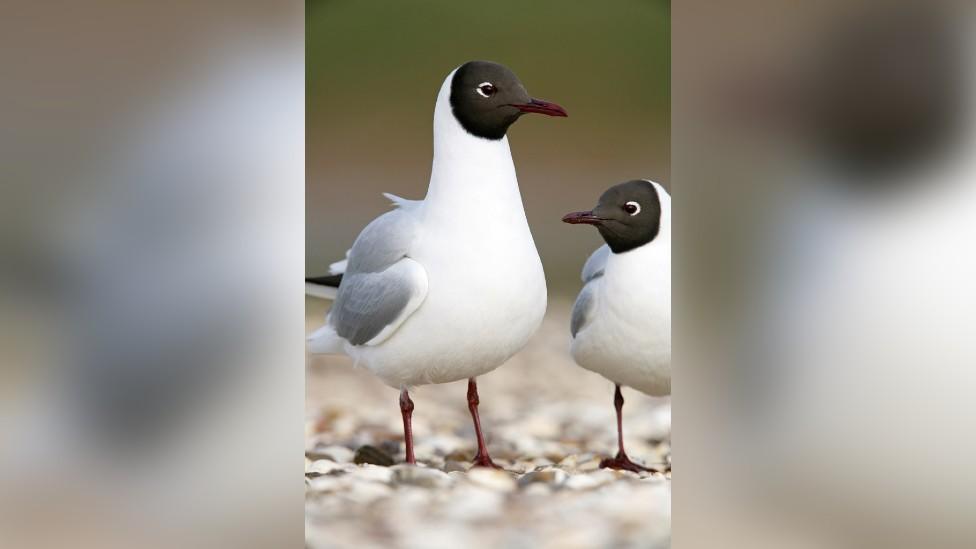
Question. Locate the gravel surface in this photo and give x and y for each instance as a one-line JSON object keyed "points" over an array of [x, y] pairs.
{"points": [[547, 422]]}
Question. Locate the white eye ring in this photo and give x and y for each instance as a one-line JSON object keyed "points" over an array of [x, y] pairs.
{"points": [[636, 205], [481, 85]]}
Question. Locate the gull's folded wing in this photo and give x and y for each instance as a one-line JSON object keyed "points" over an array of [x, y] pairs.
{"points": [[585, 303], [381, 286], [371, 306], [596, 264]]}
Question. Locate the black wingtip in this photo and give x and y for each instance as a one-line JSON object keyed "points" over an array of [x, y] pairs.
{"points": [[330, 280]]}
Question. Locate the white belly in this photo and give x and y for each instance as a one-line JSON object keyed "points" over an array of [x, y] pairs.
{"points": [[628, 340], [473, 319]]}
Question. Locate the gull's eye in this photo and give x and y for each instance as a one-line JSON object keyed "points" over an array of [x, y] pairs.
{"points": [[486, 89], [632, 208]]}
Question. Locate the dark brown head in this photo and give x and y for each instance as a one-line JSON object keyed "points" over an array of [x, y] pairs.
{"points": [[627, 216], [487, 98]]}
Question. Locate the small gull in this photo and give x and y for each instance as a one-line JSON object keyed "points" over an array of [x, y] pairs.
{"points": [[621, 323]]}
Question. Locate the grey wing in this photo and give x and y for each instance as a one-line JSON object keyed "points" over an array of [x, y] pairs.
{"points": [[596, 264], [382, 286], [583, 309], [585, 303]]}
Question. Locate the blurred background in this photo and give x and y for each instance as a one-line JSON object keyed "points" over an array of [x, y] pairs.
{"points": [[824, 262], [151, 188]]}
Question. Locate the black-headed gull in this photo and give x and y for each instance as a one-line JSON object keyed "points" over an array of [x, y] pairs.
{"points": [[429, 292], [621, 323]]}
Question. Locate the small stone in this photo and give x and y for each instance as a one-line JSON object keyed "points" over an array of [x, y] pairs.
{"points": [[443, 444], [420, 476], [570, 462], [459, 455], [588, 481], [590, 465], [657, 468], [391, 447], [452, 466], [632, 475], [518, 468], [459, 476], [472, 503], [323, 467], [493, 479], [316, 454], [373, 473], [537, 489], [328, 484], [372, 455], [367, 492], [553, 477], [338, 454]]}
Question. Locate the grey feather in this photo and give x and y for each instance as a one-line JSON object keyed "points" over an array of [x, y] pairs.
{"points": [[581, 310], [596, 264], [381, 286], [339, 267], [592, 270], [382, 243], [368, 303], [403, 203]]}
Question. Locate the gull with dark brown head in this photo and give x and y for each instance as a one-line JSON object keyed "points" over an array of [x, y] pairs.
{"points": [[449, 287], [621, 323]]}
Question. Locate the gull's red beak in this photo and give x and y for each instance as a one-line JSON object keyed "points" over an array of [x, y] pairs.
{"points": [[542, 107], [582, 218]]}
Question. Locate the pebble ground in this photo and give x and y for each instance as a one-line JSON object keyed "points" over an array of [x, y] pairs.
{"points": [[548, 423]]}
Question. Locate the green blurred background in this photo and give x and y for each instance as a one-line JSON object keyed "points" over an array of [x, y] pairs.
{"points": [[373, 69]]}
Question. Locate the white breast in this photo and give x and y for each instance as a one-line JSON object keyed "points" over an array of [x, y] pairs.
{"points": [[486, 298], [628, 340]]}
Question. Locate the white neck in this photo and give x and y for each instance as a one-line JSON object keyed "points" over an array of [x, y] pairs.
{"points": [[469, 173], [664, 233]]}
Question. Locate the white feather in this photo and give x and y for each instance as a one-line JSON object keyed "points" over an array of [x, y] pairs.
{"points": [[627, 336], [339, 267], [325, 341], [487, 291]]}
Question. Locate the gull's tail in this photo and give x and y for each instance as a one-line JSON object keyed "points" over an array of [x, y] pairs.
{"points": [[325, 341], [325, 287]]}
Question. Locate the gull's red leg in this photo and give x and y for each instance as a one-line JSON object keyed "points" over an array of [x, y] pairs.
{"points": [[406, 410], [621, 461], [482, 459]]}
